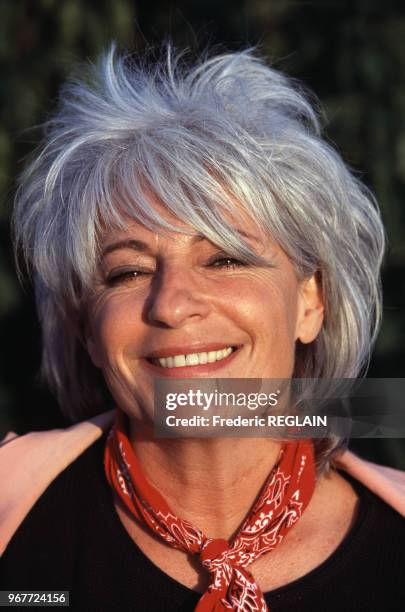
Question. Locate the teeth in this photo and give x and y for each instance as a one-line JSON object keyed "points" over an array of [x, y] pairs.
{"points": [[212, 356], [178, 361], [192, 359]]}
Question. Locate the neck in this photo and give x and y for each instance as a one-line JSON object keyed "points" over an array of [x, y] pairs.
{"points": [[212, 483]]}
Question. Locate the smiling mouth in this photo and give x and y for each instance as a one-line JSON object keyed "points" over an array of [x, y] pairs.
{"points": [[192, 359]]}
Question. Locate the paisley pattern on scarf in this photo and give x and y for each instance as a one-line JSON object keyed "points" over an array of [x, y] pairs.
{"points": [[280, 503]]}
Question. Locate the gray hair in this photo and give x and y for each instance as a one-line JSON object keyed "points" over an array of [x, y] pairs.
{"points": [[228, 124]]}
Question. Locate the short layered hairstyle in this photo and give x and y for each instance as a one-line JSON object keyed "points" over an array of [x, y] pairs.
{"points": [[199, 136]]}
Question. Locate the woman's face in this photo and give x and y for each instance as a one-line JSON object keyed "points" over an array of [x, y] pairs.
{"points": [[176, 305]]}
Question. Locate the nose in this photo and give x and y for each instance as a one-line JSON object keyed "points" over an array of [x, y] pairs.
{"points": [[175, 299]]}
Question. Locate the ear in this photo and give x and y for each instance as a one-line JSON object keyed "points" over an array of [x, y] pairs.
{"points": [[310, 309]]}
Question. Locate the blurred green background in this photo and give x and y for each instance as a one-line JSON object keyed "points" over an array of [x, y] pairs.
{"points": [[350, 53]]}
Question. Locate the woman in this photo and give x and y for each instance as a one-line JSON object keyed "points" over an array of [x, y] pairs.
{"points": [[190, 222]]}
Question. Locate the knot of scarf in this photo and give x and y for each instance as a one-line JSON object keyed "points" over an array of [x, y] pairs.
{"points": [[214, 554], [231, 587], [280, 503]]}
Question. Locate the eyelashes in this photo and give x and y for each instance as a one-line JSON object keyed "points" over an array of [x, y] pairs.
{"points": [[133, 276], [226, 262], [126, 277]]}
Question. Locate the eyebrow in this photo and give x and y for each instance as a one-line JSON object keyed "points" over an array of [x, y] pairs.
{"points": [[136, 245], [143, 247]]}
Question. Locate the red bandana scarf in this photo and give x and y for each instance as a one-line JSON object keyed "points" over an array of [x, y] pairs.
{"points": [[279, 505]]}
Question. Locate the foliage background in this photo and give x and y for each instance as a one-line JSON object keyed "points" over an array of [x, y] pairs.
{"points": [[350, 53]]}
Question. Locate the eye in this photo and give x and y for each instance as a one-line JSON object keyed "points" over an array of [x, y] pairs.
{"points": [[224, 261], [124, 277]]}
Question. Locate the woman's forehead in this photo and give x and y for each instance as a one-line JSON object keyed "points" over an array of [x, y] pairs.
{"points": [[134, 231], [235, 218]]}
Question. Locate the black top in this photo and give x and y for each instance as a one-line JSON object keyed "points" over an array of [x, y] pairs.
{"points": [[73, 540]]}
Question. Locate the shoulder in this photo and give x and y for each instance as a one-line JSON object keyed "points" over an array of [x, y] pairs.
{"points": [[347, 536], [56, 506], [385, 482], [30, 463], [386, 522], [46, 543], [374, 545]]}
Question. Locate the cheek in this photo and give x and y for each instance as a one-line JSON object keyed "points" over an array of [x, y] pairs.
{"points": [[115, 323], [266, 311], [267, 308]]}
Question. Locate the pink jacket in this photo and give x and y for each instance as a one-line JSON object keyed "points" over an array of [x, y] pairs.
{"points": [[29, 463]]}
